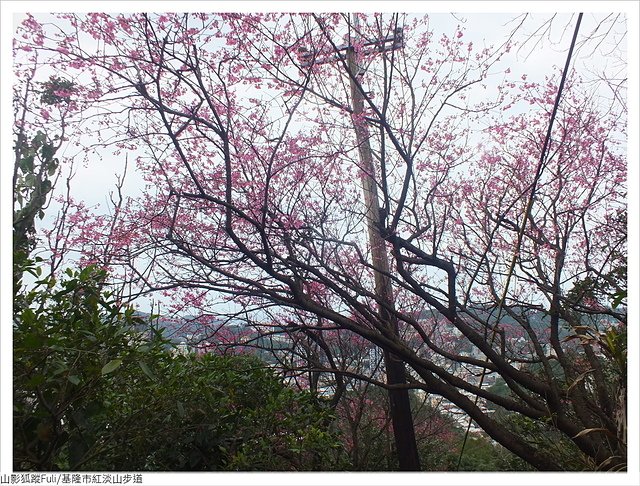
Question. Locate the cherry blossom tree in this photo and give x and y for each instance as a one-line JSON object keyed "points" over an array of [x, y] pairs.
{"points": [[494, 200]]}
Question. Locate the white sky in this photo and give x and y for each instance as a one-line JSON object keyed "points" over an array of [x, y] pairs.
{"points": [[106, 174]]}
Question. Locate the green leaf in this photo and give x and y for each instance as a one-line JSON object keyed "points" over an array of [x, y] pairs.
{"points": [[111, 366], [53, 167], [47, 151], [61, 367], [181, 411], [28, 317], [146, 370], [618, 298], [39, 139], [26, 164], [35, 381], [74, 379], [33, 341], [89, 335], [46, 186]]}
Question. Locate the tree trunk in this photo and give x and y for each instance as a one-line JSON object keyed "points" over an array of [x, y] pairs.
{"points": [[399, 403]]}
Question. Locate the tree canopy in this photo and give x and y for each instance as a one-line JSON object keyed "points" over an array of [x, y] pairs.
{"points": [[363, 185]]}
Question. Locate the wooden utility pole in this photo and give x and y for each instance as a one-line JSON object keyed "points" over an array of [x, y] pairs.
{"points": [[399, 402]]}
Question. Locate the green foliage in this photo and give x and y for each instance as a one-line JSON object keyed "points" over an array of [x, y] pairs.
{"points": [[65, 333], [214, 413], [34, 169], [613, 343], [540, 434], [57, 90], [367, 436], [92, 393], [481, 454]]}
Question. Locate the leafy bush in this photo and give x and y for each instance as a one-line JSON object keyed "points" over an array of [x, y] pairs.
{"points": [[92, 393], [219, 413]]}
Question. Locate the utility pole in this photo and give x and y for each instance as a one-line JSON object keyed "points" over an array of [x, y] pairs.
{"points": [[399, 402]]}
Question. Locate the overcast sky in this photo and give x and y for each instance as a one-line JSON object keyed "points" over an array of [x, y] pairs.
{"points": [[93, 183]]}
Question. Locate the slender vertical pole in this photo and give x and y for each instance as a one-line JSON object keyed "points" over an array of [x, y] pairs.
{"points": [[399, 403]]}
